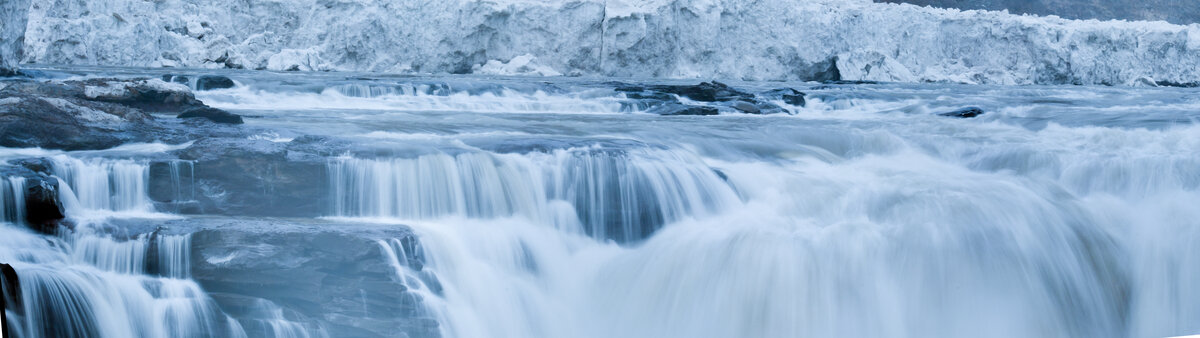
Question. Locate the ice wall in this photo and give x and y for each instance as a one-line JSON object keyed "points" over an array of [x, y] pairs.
{"points": [[727, 39], [13, 14]]}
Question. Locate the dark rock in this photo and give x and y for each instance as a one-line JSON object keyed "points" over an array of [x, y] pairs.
{"points": [[746, 107], [212, 114], [146, 94], [789, 96], [57, 123], [210, 82], [683, 109], [10, 298], [967, 112], [1177, 84], [180, 79], [43, 210], [705, 91]]}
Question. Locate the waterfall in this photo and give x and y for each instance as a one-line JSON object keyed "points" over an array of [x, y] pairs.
{"points": [[12, 200], [623, 195], [88, 286], [103, 185]]}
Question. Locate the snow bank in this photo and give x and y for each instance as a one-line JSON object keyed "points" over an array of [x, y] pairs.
{"points": [[13, 14], [729, 39]]}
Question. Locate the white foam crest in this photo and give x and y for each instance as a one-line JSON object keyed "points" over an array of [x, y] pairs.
{"points": [[505, 101]]}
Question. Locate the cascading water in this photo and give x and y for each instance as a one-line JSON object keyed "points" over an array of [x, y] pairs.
{"points": [[619, 194], [90, 286], [104, 185]]}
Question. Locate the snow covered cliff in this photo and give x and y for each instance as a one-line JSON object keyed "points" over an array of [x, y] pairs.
{"points": [[733, 39], [13, 14]]}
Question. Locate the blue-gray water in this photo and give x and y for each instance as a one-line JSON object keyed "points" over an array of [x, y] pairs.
{"points": [[521, 207]]}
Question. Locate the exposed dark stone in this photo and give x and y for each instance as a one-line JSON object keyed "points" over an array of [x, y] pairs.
{"points": [[705, 91], [210, 82], [789, 96], [10, 297], [212, 114], [149, 95], [683, 109], [967, 112], [43, 210], [1177, 84], [92, 114], [180, 79]]}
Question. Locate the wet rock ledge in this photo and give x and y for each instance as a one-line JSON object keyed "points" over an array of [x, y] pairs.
{"points": [[97, 114]]}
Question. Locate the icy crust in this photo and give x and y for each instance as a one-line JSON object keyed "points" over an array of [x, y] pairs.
{"points": [[729, 39], [13, 14]]}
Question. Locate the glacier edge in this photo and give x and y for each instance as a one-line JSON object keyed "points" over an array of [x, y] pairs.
{"points": [[728, 39]]}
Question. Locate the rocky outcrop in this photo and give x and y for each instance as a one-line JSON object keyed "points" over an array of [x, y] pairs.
{"points": [[337, 275], [94, 113], [212, 114], [210, 82], [35, 194], [238, 176], [707, 98]]}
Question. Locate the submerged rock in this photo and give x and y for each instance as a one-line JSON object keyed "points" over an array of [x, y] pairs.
{"points": [[238, 176], [212, 114], [683, 109], [210, 82], [180, 79], [338, 275], [789, 96], [967, 112]]}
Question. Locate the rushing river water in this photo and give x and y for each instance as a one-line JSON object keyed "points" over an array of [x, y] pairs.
{"points": [[562, 208]]}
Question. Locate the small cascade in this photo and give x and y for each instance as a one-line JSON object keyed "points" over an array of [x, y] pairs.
{"points": [[164, 255], [12, 200], [92, 286], [624, 195], [376, 90], [103, 184]]}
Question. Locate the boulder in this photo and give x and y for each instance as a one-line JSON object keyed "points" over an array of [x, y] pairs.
{"points": [[238, 176], [58, 116], [43, 210], [180, 79], [148, 94], [683, 109], [212, 114], [704, 92], [789, 96], [964, 113], [210, 82]]}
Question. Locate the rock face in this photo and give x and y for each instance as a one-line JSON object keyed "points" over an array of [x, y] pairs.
{"points": [[39, 194], [237, 176], [709, 99], [334, 274], [728, 39], [212, 114], [13, 16], [92, 114], [210, 82]]}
